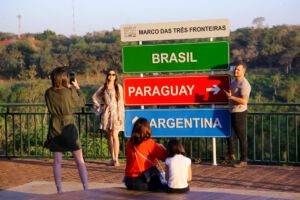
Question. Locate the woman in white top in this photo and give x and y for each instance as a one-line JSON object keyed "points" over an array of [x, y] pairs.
{"points": [[178, 168]]}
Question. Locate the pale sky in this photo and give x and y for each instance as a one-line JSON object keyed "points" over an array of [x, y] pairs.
{"points": [[99, 15]]}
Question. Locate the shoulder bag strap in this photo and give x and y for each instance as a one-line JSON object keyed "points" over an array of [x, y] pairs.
{"points": [[136, 151], [137, 160], [143, 156]]}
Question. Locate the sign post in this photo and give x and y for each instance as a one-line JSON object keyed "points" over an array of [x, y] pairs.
{"points": [[214, 142]]}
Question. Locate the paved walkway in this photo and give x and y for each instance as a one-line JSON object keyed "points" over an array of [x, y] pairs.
{"points": [[24, 179]]}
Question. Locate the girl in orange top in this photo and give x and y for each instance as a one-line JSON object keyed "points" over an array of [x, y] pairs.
{"points": [[142, 153]]}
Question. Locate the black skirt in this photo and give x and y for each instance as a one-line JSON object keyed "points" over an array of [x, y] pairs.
{"points": [[68, 140]]}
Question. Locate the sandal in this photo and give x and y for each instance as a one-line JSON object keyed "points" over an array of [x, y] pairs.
{"points": [[116, 164], [111, 163]]}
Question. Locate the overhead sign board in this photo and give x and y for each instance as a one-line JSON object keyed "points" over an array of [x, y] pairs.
{"points": [[176, 57], [184, 90], [175, 30], [182, 122]]}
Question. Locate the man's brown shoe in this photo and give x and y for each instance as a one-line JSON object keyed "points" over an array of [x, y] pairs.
{"points": [[229, 157], [240, 164]]}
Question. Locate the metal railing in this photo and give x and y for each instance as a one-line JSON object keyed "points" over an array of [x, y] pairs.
{"points": [[273, 136]]}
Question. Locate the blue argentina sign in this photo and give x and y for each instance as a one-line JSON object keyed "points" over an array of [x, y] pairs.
{"points": [[182, 122]]}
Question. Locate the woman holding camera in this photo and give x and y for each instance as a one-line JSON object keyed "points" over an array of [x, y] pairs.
{"points": [[62, 100], [112, 112]]}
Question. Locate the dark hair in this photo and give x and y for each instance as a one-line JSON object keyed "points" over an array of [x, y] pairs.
{"points": [[175, 147], [244, 65], [141, 131], [115, 84], [59, 77]]}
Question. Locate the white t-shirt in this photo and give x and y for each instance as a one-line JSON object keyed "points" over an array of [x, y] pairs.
{"points": [[239, 89], [178, 166]]}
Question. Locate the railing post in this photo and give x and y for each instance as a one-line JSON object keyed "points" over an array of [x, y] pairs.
{"points": [[262, 138], [296, 133], [86, 135], [278, 128], [287, 139], [35, 134], [271, 138], [6, 134], [13, 132]]}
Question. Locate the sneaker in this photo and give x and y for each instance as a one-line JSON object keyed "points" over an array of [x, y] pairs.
{"points": [[229, 157], [240, 164]]}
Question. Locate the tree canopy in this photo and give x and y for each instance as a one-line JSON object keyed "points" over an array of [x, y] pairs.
{"points": [[276, 47]]}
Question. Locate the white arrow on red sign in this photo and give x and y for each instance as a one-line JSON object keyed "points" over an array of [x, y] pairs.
{"points": [[215, 89]]}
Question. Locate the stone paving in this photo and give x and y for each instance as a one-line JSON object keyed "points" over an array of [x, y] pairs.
{"points": [[258, 178]]}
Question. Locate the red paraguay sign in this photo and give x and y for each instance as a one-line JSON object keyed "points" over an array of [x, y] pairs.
{"points": [[186, 90]]}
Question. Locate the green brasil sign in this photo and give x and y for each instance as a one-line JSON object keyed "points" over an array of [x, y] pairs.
{"points": [[176, 57]]}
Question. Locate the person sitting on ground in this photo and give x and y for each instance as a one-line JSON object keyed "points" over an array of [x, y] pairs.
{"points": [[142, 153], [178, 168]]}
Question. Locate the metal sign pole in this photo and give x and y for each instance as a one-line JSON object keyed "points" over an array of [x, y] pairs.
{"points": [[141, 75], [214, 143]]}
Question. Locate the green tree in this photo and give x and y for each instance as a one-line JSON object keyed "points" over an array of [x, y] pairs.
{"points": [[46, 61], [259, 22], [276, 79], [291, 89], [28, 74], [45, 35], [11, 62]]}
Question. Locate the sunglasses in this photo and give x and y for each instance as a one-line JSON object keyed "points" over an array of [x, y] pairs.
{"points": [[111, 74]]}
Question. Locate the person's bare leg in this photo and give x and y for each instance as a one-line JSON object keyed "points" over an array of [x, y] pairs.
{"points": [[81, 168], [116, 147], [57, 170], [110, 142]]}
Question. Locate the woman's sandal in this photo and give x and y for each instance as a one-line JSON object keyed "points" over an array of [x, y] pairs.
{"points": [[111, 163], [116, 164]]}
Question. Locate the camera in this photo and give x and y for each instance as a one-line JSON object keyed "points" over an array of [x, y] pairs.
{"points": [[72, 77]]}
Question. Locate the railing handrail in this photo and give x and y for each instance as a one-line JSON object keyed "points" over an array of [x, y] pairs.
{"points": [[89, 104], [274, 104], [21, 104]]}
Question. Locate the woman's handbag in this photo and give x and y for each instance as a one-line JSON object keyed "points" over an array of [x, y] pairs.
{"points": [[152, 171]]}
